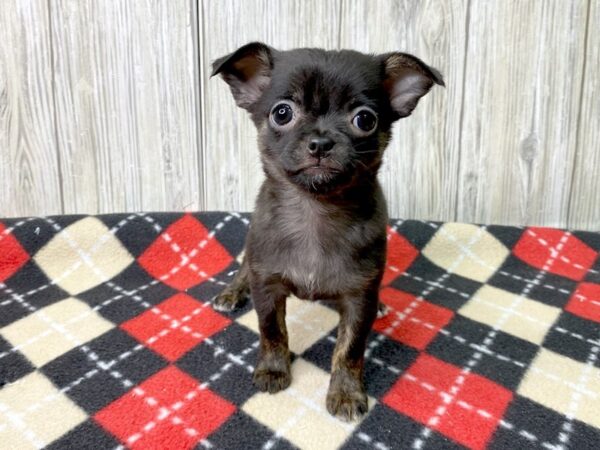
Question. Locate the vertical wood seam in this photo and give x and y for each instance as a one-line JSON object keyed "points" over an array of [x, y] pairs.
{"points": [[527, 180], [462, 111], [581, 89], [197, 43], [202, 98], [54, 106], [339, 30]]}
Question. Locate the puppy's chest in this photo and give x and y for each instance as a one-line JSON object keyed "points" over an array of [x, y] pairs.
{"points": [[308, 262], [316, 258]]}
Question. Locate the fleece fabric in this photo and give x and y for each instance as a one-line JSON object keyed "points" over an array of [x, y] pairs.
{"points": [[108, 340]]}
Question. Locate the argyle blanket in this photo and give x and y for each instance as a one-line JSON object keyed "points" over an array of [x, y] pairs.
{"points": [[108, 340]]}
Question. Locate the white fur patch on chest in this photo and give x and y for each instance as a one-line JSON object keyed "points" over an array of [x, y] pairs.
{"points": [[305, 268], [307, 265]]}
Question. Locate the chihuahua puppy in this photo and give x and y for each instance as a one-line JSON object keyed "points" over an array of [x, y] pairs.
{"points": [[318, 229]]}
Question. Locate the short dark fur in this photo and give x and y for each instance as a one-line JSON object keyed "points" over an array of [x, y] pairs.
{"points": [[319, 226]]}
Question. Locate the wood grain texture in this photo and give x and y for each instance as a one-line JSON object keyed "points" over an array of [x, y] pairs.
{"points": [[108, 105], [522, 92], [232, 169], [584, 210], [29, 170], [127, 105], [419, 175]]}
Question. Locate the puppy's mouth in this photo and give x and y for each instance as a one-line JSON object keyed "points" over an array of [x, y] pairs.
{"points": [[316, 168], [319, 176]]}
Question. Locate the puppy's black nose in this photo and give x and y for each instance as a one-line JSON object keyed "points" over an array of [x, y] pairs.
{"points": [[320, 146]]}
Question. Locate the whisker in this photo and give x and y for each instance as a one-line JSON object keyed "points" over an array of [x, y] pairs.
{"points": [[365, 151]]}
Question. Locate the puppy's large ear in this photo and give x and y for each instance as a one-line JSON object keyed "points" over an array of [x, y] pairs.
{"points": [[406, 80], [247, 71]]}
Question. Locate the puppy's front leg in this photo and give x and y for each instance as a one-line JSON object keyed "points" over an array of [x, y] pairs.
{"points": [[347, 397], [272, 372]]}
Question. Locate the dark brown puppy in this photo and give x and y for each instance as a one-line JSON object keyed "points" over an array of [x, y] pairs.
{"points": [[319, 226]]}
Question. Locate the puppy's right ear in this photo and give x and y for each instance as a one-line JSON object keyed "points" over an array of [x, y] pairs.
{"points": [[247, 71]]}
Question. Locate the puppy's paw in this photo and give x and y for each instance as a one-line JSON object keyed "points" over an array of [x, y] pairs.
{"points": [[347, 405], [273, 373], [271, 381], [229, 299]]}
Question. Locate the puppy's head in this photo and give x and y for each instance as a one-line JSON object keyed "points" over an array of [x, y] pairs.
{"points": [[324, 117]]}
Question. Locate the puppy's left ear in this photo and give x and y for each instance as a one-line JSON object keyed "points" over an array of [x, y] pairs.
{"points": [[247, 71], [406, 80]]}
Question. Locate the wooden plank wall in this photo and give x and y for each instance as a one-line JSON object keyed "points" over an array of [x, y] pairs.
{"points": [[30, 179], [108, 105]]}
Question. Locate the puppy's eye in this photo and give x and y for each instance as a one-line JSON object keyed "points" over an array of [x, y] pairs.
{"points": [[364, 120], [282, 114]]}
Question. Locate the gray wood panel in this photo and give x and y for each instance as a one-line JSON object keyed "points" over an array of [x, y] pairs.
{"points": [[29, 169], [522, 92], [108, 105], [126, 105], [419, 175], [584, 211], [232, 169]]}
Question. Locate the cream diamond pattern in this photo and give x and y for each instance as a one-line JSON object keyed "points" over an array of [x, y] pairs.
{"points": [[27, 429], [301, 416], [307, 322], [54, 330], [479, 253], [512, 313], [567, 386], [89, 255]]}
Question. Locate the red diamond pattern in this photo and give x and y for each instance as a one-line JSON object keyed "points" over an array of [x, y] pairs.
{"points": [[12, 255], [467, 412], [400, 255], [176, 325], [585, 301], [419, 320], [570, 257], [168, 410], [185, 255]]}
